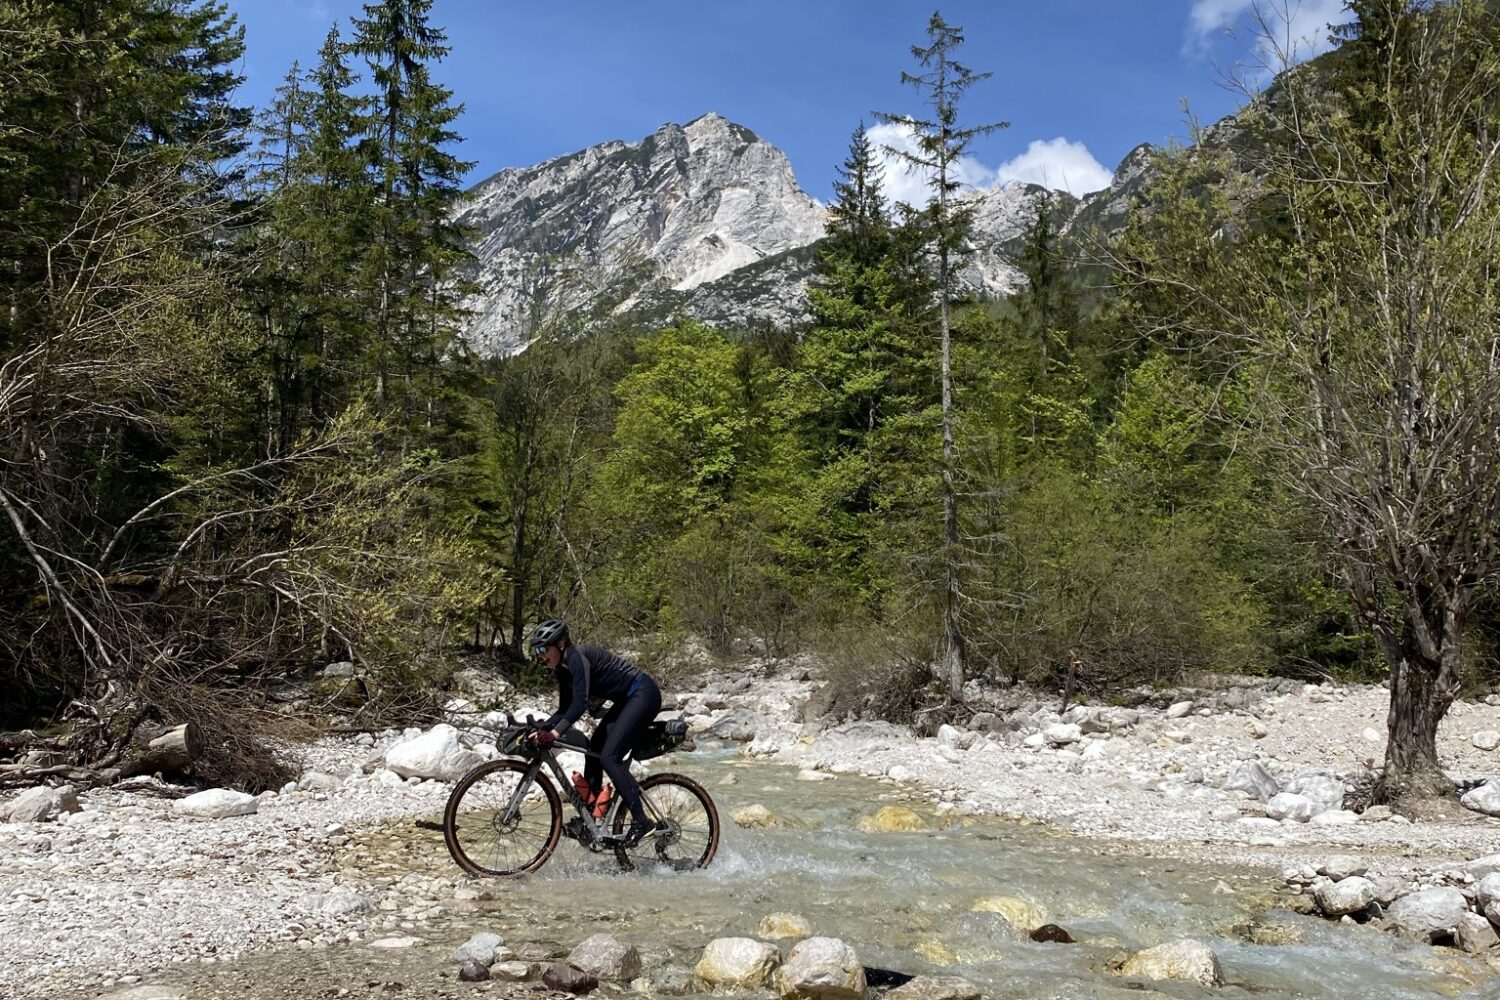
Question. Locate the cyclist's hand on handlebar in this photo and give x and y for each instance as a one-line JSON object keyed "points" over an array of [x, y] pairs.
{"points": [[544, 738]]}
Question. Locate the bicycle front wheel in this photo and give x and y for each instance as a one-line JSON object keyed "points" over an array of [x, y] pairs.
{"points": [[689, 823], [502, 820]]}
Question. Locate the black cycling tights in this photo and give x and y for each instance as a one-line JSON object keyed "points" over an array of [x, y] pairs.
{"points": [[614, 737]]}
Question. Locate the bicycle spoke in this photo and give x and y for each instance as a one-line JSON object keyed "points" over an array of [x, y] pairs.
{"points": [[493, 830]]}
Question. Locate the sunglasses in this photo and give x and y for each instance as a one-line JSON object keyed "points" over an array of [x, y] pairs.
{"points": [[537, 651]]}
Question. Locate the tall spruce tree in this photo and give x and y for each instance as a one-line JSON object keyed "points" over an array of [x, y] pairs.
{"points": [[940, 142], [416, 246]]}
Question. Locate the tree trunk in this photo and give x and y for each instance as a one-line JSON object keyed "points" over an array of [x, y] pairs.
{"points": [[1423, 687], [167, 751]]}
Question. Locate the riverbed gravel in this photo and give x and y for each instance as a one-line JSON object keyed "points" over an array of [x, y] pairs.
{"points": [[104, 898]]}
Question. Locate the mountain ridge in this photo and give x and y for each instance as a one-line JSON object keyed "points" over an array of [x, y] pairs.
{"points": [[705, 220]]}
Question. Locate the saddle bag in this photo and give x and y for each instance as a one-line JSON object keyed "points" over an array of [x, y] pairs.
{"points": [[662, 737]]}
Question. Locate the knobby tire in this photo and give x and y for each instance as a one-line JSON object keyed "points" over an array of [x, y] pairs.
{"points": [[684, 802], [480, 842]]}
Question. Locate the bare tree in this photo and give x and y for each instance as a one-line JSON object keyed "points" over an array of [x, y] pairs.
{"points": [[941, 142], [1351, 284]]}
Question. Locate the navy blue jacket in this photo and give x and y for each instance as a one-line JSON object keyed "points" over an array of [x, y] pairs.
{"points": [[589, 672]]}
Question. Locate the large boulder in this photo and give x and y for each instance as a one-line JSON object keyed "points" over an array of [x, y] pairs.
{"points": [[893, 819], [1061, 734], [1349, 895], [1475, 934], [1251, 777], [741, 963], [458, 764], [741, 725], [40, 805], [217, 803], [1320, 787], [1022, 914], [1487, 896], [1430, 914], [1290, 805], [1184, 961], [1479, 868], [821, 968], [606, 957], [1484, 799], [935, 988], [1487, 740], [424, 755]]}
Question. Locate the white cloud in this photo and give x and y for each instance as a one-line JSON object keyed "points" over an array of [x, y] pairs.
{"points": [[909, 183], [1285, 32], [1058, 164], [1054, 163]]}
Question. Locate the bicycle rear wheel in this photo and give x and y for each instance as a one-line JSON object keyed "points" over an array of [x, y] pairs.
{"points": [[692, 825], [501, 820]]}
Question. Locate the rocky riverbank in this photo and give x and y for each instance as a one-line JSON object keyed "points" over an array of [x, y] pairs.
{"points": [[124, 883]]}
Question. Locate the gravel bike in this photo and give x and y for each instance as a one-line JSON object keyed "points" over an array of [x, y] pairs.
{"points": [[505, 817]]}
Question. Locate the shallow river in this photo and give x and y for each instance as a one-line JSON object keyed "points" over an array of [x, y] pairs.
{"points": [[903, 900]]}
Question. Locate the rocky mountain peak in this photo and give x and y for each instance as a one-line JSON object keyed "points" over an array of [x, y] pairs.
{"points": [[686, 205]]}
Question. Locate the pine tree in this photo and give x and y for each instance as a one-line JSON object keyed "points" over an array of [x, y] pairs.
{"points": [[416, 248], [941, 141]]}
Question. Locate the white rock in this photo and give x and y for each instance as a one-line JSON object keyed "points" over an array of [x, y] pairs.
{"points": [[317, 781], [808, 774], [1479, 868], [1035, 740], [217, 803], [397, 942], [1256, 729], [1185, 961], [1342, 866], [1475, 933], [898, 772], [458, 764], [1349, 895], [1484, 799], [1371, 735], [1251, 777], [935, 988], [1288, 805], [1487, 740], [422, 756], [741, 963], [1179, 709], [1428, 914], [1487, 896], [336, 903], [821, 968], [479, 948], [147, 993], [1319, 786], [607, 957], [41, 805], [1335, 817], [1062, 733]]}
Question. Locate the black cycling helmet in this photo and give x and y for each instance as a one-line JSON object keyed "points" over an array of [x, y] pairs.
{"points": [[546, 634]]}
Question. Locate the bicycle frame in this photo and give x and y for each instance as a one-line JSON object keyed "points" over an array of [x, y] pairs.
{"points": [[598, 828]]}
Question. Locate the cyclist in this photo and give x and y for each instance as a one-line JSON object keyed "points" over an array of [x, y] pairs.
{"points": [[587, 671]]}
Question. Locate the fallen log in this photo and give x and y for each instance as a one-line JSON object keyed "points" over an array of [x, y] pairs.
{"points": [[156, 750]]}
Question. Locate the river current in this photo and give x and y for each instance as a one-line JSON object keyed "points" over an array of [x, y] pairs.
{"points": [[904, 900]]}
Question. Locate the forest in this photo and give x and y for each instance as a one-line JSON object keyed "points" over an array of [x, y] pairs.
{"points": [[1255, 431]]}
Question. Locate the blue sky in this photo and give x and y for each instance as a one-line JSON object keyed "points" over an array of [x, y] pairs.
{"points": [[1082, 82]]}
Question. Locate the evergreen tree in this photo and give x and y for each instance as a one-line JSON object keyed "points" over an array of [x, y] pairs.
{"points": [[416, 247], [941, 141]]}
